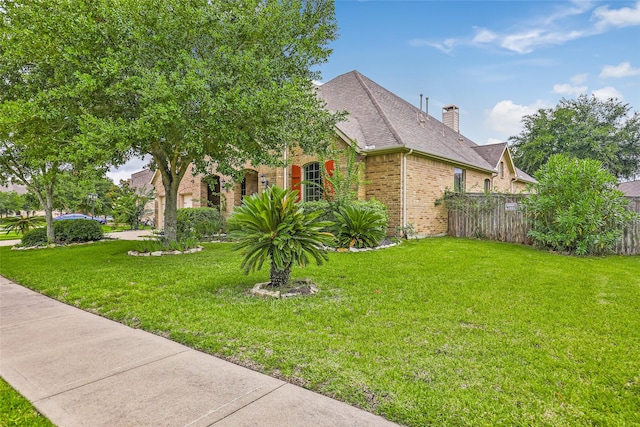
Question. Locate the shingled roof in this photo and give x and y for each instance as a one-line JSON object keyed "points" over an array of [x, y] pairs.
{"points": [[492, 153], [379, 120], [631, 188]]}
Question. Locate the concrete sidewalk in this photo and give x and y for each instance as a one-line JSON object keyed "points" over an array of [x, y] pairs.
{"points": [[80, 369], [119, 235]]}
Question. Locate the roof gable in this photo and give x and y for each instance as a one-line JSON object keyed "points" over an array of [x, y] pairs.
{"points": [[380, 120]]}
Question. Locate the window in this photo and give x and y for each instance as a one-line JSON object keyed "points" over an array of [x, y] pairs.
{"points": [[487, 185], [312, 176], [458, 180], [501, 170]]}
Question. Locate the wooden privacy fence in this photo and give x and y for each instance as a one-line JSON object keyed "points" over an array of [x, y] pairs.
{"points": [[502, 217]]}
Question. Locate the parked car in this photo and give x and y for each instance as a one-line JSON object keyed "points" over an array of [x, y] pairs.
{"points": [[79, 216]]}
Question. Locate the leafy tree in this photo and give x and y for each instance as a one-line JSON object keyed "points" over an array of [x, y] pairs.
{"points": [[72, 191], [216, 84], [585, 128], [128, 204], [10, 202], [47, 50], [272, 226], [576, 207]]}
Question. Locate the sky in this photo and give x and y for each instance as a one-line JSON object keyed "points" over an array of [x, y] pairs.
{"points": [[496, 60]]}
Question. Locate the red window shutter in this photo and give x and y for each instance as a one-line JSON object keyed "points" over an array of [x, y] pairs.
{"points": [[296, 178], [329, 165]]}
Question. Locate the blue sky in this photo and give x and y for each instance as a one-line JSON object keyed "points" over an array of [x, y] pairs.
{"points": [[495, 60]]}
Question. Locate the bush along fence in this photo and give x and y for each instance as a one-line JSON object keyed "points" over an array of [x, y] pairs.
{"points": [[502, 217]]}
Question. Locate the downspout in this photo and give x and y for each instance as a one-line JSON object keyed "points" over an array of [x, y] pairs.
{"points": [[284, 174], [404, 187]]}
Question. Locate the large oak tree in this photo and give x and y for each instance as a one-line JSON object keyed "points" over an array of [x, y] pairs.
{"points": [[583, 128], [218, 84], [46, 49]]}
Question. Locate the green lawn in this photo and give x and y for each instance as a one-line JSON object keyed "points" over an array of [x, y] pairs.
{"points": [[12, 235], [17, 411], [444, 332]]}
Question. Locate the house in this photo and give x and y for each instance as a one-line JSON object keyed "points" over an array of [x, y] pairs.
{"points": [[410, 159], [141, 183], [630, 188]]}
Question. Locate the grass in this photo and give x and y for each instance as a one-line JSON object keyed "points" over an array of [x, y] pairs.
{"points": [[15, 410], [443, 332], [12, 235]]}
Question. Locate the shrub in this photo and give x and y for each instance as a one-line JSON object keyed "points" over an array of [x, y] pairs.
{"points": [[198, 223], [576, 207], [359, 226], [77, 230], [273, 226], [35, 237], [322, 209]]}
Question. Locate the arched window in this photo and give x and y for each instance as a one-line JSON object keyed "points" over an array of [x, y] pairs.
{"points": [[312, 182], [487, 185]]}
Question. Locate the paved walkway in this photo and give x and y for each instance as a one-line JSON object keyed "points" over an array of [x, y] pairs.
{"points": [[119, 235], [80, 369]]}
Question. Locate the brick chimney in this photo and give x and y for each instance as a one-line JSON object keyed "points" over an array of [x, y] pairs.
{"points": [[451, 117]]}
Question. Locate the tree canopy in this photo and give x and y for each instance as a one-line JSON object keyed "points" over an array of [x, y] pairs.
{"points": [[584, 128], [218, 84], [46, 49]]}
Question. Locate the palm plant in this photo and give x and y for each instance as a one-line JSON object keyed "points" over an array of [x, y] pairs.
{"points": [[273, 226], [359, 226], [22, 224]]}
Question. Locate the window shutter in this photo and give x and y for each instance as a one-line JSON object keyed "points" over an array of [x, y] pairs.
{"points": [[296, 178], [330, 166]]}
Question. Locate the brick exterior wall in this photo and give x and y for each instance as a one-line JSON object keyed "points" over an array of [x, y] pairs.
{"points": [[384, 182], [427, 180]]}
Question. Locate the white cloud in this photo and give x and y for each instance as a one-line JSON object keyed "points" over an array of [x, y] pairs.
{"points": [[506, 117], [124, 172], [618, 18], [526, 42], [561, 25], [446, 46], [578, 79], [484, 36], [606, 93], [624, 69], [567, 89]]}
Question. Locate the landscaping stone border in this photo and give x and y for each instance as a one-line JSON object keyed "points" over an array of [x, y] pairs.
{"points": [[164, 253], [54, 245], [259, 291]]}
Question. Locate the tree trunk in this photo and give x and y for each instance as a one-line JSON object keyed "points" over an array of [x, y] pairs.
{"points": [[171, 212], [48, 212], [280, 278]]}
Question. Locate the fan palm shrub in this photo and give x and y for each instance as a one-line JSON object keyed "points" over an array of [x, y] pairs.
{"points": [[272, 226], [21, 224], [359, 226]]}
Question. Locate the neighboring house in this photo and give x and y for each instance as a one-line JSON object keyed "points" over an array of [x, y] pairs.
{"points": [[410, 159], [20, 189], [141, 183], [630, 189]]}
